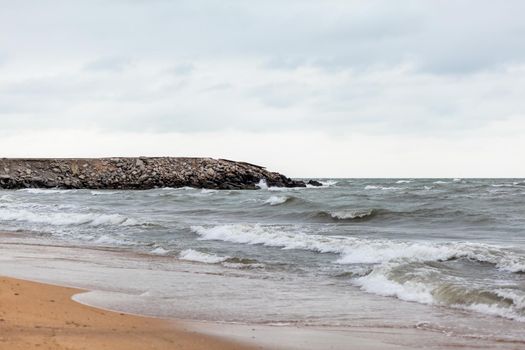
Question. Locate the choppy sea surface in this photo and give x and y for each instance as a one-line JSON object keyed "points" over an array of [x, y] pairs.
{"points": [[442, 254]]}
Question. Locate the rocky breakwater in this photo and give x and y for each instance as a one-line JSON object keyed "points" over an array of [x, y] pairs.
{"points": [[136, 173]]}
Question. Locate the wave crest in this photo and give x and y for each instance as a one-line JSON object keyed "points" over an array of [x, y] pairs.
{"points": [[68, 219], [352, 214], [503, 302], [346, 214], [277, 200], [353, 250], [46, 191], [384, 188], [195, 255]]}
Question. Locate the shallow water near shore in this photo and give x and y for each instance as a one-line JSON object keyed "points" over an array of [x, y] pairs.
{"points": [[440, 254]]}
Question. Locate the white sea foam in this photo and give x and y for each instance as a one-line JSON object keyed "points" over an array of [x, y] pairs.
{"points": [[66, 206], [109, 240], [379, 284], [517, 296], [274, 236], [440, 182], [195, 255], [353, 250], [66, 219], [374, 252], [493, 310], [329, 183], [6, 198], [375, 187], [291, 189], [242, 266], [514, 184], [403, 181], [423, 287], [284, 189], [384, 255], [102, 193], [45, 191], [160, 251], [184, 188], [262, 184], [381, 251], [351, 214], [198, 193], [276, 200]]}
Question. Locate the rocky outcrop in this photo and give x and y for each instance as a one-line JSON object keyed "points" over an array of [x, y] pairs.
{"points": [[137, 173]]}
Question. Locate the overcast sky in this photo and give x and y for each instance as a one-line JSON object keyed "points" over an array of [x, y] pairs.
{"points": [[309, 88]]}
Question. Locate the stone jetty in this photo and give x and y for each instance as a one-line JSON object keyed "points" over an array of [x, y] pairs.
{"points": [[137, 173]]}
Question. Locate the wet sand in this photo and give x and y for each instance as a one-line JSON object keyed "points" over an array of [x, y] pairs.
{"points": [[40, 316]]}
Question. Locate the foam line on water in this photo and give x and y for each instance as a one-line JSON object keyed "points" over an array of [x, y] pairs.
{"points": [[195, 255], [354, 250]]}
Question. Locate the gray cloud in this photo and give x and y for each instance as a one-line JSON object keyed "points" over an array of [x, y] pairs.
{"points": [[441, 37], [182, 68], [3, 57], [411, 67], [111, 64]]}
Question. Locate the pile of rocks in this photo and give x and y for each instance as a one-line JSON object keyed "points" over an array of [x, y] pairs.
{"points": [[137, 173]]}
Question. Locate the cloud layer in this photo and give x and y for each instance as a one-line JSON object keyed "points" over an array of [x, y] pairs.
{"points": [[348, 77]]}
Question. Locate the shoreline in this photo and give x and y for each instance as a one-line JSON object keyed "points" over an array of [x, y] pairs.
{"points": [[35, 315], [43, 316], [25, 263]]}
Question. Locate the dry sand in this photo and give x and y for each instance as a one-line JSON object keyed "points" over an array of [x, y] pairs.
{"points": [[40, 316]]}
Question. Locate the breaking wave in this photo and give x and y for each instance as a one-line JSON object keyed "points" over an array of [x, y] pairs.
{"points": [[195, 255], [159, 251], [396, 266], [276, 200], [353, 250], [103, 193], [262, 184], [347, 214], [384, 188], [352, 214], [67, 219], [503, 302], [6, 198], [403, 181], [46, 191], [409, 239]]}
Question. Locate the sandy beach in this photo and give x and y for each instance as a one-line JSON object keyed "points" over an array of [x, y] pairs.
{"points": [[40, 316]]}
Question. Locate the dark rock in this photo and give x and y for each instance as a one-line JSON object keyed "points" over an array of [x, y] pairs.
{"points": [[138, 173], [315, 183]]}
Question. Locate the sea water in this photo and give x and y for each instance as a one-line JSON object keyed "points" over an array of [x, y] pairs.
{"points": [[441, 254]]}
